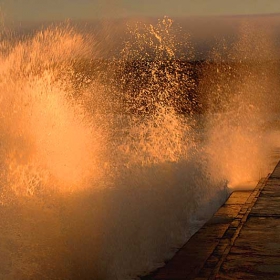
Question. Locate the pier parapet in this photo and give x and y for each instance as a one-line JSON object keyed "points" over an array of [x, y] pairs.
{"points": [[241, 241]]}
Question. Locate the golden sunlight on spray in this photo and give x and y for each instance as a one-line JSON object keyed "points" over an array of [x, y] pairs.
{"points": [[108, 161], [163, 135], [240, 100], [48, 140], [63, 139]]}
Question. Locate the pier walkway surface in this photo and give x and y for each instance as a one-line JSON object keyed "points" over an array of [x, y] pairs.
{"points": [[241, 241]]}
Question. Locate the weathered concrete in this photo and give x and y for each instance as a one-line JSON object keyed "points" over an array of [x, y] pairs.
{"points": [[241, 241]]}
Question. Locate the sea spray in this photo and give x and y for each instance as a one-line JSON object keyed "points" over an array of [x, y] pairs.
{"points": [[104, 173], [43, 128], [238, 88]]}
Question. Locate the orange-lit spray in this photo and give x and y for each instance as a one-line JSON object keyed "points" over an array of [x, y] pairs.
{"points": [[102, 167]]}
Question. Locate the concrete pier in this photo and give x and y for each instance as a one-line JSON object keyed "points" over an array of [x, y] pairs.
{"points": [[241, 241]]}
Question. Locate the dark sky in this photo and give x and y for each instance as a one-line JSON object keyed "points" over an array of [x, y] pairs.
{"points": [[206, 21], [41, 10]]}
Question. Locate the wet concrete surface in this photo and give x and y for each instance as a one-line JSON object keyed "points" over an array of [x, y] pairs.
{"points": [[241, 241]]}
